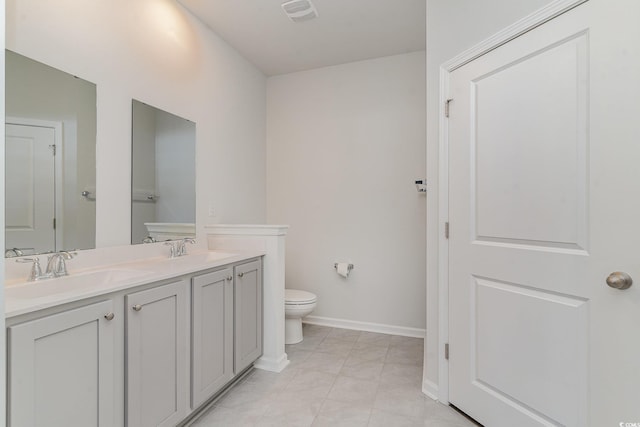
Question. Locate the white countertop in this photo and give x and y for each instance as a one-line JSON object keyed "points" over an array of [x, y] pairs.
{"points": [[27, 297]]}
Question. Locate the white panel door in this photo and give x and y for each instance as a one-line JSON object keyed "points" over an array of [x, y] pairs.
{"points": [[30, 187], [544, 151]]}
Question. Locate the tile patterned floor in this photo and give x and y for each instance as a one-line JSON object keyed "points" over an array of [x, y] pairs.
{"points": [[337, 377]]}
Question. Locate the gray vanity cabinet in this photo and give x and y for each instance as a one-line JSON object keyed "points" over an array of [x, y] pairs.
{"points": [[248, 314], [177, 345], [157, 348], [61, 369], [212, 334]]}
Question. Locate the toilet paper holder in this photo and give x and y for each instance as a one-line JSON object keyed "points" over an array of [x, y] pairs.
{"points": [[349, 267]]}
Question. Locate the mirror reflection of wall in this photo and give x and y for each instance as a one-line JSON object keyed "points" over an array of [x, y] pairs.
{"points": [[163, 175], [50, 158]]}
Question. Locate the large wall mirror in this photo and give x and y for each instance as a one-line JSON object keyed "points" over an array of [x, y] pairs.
{"points": [[163, 187], [50, 159]]}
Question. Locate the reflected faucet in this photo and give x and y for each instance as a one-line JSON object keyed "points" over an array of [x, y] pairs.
{"points": [[16, 252]]}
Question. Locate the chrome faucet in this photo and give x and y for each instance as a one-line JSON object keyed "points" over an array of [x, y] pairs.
{"points": [[172, 249], [178, 248], [56, 265], [36, 270], [182, 245]]}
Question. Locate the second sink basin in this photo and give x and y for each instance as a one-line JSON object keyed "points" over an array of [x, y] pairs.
{"points": [[202, 257], [72, 283]]}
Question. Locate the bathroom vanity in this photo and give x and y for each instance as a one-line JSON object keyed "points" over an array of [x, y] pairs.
{"points": [[143, 343]]}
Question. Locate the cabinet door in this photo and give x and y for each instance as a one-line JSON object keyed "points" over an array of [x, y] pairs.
{"points": [[156, 356], [248, 314], [212, 332], [61, 369]]}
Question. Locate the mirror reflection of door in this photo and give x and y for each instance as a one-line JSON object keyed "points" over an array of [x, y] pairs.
{"points": [[39, 97], [30, 187]]}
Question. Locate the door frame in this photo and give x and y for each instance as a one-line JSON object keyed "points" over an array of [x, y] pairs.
{"points": [[59, 176], [528, 23]]}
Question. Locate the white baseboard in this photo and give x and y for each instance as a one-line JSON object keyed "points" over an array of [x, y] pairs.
{"points": [[365, 326], [271, 364], [430, 389]]}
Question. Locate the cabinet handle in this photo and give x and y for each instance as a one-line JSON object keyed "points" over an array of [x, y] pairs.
{"points": [[137, 307], [230, 278], [240, 274], [109, 316]]}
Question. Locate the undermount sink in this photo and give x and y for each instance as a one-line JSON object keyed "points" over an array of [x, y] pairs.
{"points": [[71, 283], [203, 257]]}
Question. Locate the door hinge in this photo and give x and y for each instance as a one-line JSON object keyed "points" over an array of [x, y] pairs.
{"points": [[446, 351], [53, 148], [446, 230], [54, 223], [446, 107]]}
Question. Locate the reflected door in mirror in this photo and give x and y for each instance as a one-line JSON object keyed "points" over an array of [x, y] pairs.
{"points": [[42, 186], [30, 189]]}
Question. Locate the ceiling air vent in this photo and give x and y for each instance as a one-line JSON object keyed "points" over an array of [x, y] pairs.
{"points": [[299, 10]]}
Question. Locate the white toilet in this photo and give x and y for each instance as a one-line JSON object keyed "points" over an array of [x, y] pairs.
{"points": [[297, 304]]}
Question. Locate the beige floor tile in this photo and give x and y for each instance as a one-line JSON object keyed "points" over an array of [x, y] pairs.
{"points": [[353, 390], [362, 369], [219, 416], [373, 338], [402, 400], [342, 414], [438, 412], [406, 355], [385, 419], [307, 343], [345, 334], [323, 362], [313, 382], [315, 330], [394, 373], [300, 410], [372, 353], [337, 377], [335, 346]]}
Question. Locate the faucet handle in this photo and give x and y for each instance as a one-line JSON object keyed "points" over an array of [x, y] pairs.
{"points": [[36, 270], [183, 245], [172, 249], [61, 267]]}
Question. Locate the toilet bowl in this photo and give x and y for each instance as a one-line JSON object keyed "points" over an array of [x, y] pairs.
{"points": [[297, 304]]}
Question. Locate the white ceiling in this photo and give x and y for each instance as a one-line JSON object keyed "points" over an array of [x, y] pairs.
{"points": [[345, 31]]}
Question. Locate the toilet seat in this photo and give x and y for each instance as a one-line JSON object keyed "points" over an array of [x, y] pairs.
{"points": [[298, 297]]}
